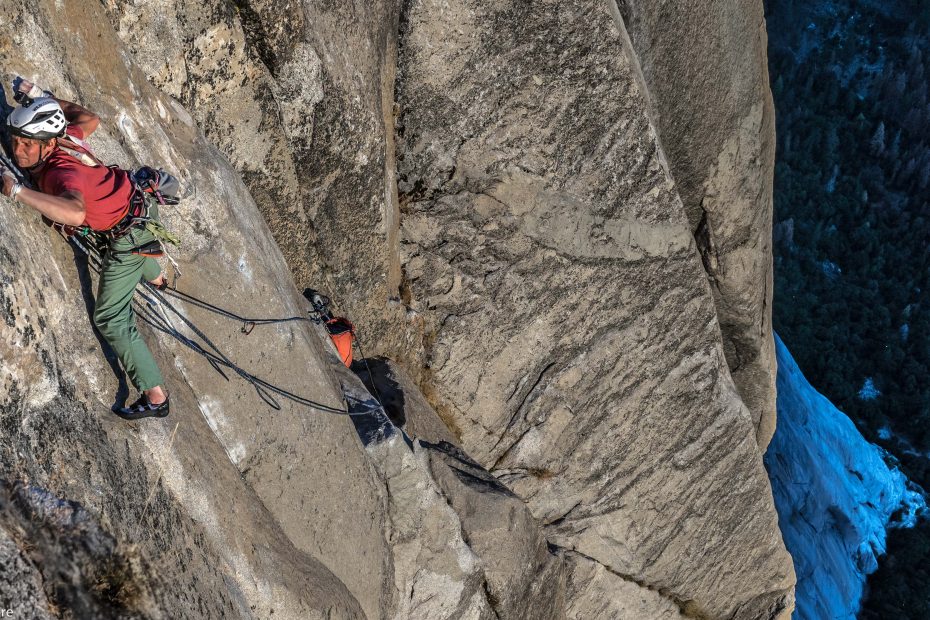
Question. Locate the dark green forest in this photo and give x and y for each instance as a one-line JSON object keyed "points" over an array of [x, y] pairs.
{"points": [[852, 236]]}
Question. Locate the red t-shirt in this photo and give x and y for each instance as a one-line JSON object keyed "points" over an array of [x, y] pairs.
{"points": [[106, 191]]}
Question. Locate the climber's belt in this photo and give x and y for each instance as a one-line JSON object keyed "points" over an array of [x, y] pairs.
{"points": [[137, 215]]}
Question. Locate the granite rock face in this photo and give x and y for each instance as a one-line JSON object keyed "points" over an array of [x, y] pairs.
{"points": [[229, 508], [546, 242], [596, 592], [707, 70], [21, 581], [210, 473], [485, 190]]}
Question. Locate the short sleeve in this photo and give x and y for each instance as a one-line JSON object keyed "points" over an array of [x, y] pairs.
{"points": [[75, 131]]}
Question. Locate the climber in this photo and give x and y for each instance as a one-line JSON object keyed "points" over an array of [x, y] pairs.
{"points": [[76, 190]]}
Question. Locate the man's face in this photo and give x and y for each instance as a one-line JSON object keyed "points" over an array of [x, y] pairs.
{"points": [[29, 151]]}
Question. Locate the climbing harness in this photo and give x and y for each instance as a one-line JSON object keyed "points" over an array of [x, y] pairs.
{"points": [[161, 187], [137, 216], [147, 189]]}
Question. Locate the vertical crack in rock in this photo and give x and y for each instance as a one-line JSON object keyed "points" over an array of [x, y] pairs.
{"points": [[254, 31], [714, 112]]}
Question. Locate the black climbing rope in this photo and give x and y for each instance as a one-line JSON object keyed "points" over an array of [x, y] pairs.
{"points": [[247, 324], [154, 298]]}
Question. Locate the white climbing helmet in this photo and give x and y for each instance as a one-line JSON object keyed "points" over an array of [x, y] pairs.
{"points": [[43, 119]]}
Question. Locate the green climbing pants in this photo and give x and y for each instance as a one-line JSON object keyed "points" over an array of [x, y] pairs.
{"points": [[122, 271]]}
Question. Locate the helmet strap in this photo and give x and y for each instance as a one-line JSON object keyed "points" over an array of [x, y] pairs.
{"points": [[42, 145], [42, 156]]}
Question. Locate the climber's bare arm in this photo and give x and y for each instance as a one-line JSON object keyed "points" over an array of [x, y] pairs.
{"points": [[79, 115], [65, 209]]}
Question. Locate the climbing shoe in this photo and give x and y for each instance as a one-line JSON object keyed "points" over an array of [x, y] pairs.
{"points": [[142, 408]]}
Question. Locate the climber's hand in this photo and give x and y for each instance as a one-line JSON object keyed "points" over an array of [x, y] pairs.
{"points": [[24, 90], [9, 179]]}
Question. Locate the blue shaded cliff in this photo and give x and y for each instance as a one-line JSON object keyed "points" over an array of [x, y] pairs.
{"points": [[835, 495]]}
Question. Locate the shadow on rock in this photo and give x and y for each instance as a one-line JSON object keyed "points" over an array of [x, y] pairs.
{"points": [[465, 469], [377, 376], [371, 423], [83, 574]]}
